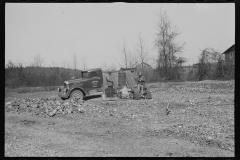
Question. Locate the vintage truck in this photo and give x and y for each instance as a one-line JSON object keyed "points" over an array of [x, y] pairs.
{"points": [[93, 83], [90, 84]]}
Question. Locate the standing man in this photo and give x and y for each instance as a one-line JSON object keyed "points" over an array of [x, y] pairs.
{"points": [[110, 84], [141, 82]]}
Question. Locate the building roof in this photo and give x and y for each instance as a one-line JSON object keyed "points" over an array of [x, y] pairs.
{"points": [[89, 70], [109, 71], [143, 63], [126, 69], [195, 65], [229, 49]]}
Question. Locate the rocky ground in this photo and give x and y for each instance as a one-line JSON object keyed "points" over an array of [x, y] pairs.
{"points": [[199, 122]]}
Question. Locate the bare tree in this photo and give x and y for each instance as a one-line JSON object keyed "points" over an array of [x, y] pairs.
{"points": [[74, 62], [112, 67], [54, 64], [68, 65], [142, 53], [35, 70], [84, 64], [210, 64], [132, 60], [107, 68], [63, 64], [75, 66], [10, 64], [168, 50], [38, 61], [125, 55], [104, 66], [128, 59]]}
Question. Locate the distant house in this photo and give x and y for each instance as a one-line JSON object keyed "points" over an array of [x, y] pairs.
{"points": [[196, 65], [133, 70], [128, 69], [230, 55]]}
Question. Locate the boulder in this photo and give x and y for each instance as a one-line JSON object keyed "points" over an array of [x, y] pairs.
{"points": [[52, 113]]}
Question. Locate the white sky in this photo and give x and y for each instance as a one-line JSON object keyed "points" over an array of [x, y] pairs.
{"points": [[97, 31]]}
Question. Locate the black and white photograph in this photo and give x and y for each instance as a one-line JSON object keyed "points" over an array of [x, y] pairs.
{"points": [[119, 80]]}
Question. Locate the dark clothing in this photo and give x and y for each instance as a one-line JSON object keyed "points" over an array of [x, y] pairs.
{"points": [[109, 80], [140, 87], [141, 83], [141, 80], [109, 91], [110, 86]]}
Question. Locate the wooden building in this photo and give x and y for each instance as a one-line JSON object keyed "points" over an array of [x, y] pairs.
{"points": [[132, 70], [230, 55]]}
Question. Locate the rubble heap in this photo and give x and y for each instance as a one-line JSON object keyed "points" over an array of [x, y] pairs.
{"points": [[45, 106], [195, 87]]}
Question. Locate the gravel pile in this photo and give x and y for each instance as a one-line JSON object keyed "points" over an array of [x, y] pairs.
{"points": [[204, 119], [45, 106], [210, 101], [51, 107], [194, 87], [205, 134]]}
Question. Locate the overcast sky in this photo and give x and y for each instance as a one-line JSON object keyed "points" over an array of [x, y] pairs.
{"points": [[97, 31]]}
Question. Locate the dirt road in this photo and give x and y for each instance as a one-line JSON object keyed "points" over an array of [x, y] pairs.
{"points": [[200, 124]]}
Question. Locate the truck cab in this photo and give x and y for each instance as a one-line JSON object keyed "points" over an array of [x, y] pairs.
{"points": [[90, 84]]}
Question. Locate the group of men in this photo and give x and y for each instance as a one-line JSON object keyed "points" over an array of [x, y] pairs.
{"points": [[125, 91]]}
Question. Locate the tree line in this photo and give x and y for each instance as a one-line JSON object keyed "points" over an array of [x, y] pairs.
{"points": [[169, 62], [211, 65], [35, 76]]}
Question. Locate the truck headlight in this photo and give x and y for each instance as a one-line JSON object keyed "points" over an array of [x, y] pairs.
{"points": [[66, 85]]}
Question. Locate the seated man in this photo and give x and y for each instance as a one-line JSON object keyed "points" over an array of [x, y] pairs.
{"points": [[124, 92]]}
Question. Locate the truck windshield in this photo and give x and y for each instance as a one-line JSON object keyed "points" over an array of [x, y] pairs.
{"points": [[85, 75]]}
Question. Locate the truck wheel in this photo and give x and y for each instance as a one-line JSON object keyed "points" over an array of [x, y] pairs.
{"points": [[76, 94]]}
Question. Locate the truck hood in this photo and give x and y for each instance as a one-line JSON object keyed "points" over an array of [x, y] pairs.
{"points": [[76, 80]]}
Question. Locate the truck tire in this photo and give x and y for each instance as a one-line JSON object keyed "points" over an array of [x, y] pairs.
{"points": [[76, 94]]}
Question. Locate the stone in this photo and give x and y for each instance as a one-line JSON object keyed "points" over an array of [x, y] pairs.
{"points": [[59, 107], [8, 103], [209, 138], [15, 104], [69, 110], [52, 113]]}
